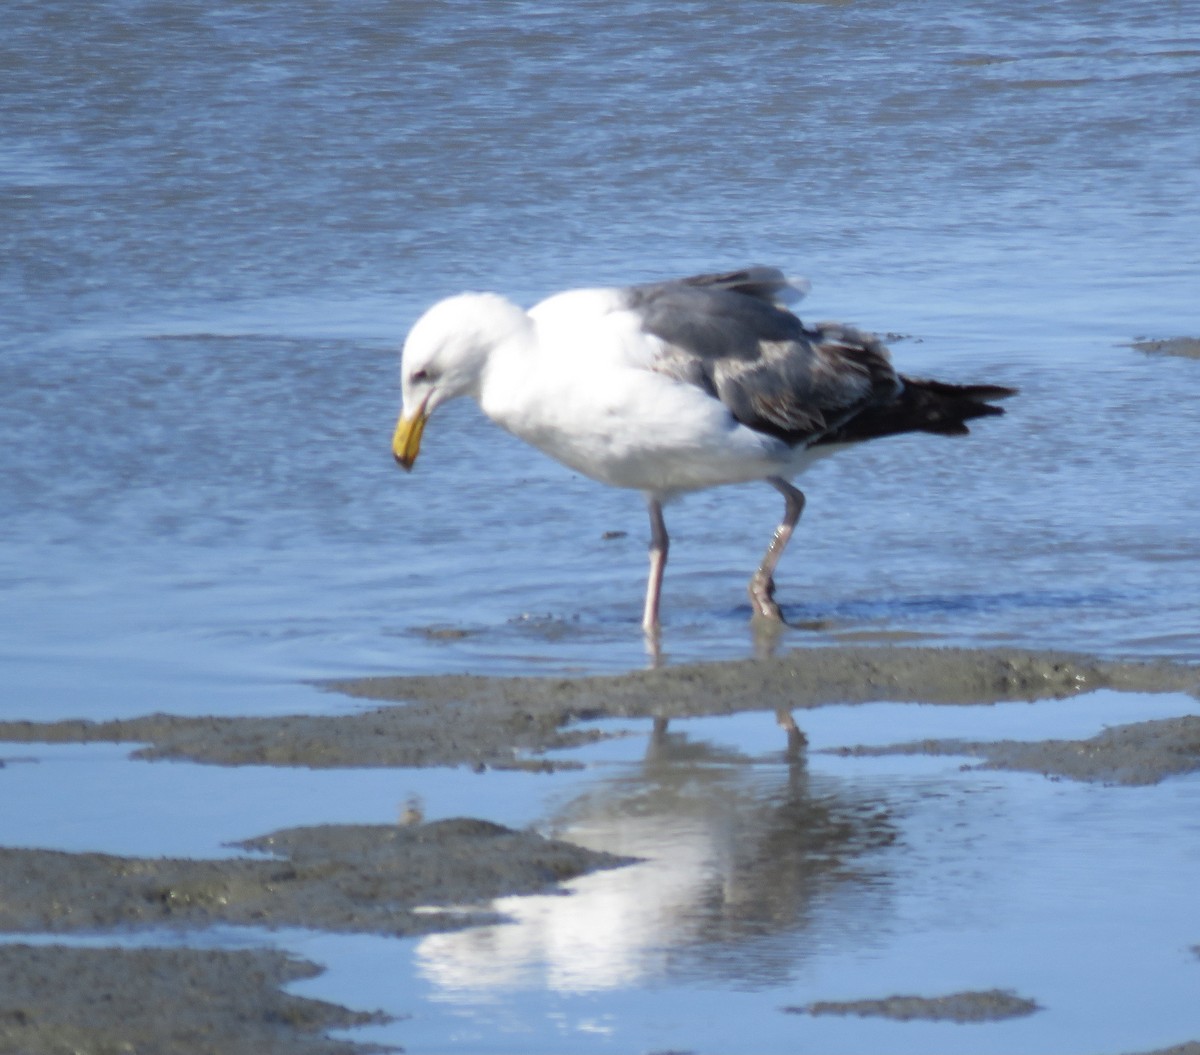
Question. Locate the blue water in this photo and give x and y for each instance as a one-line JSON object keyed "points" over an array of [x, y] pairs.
{"points": [[217, 222], [1081, 897]]}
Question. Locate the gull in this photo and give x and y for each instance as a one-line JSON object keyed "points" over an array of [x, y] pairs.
{"points": [[672, 387]]}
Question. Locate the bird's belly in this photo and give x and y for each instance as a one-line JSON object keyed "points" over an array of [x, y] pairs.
{"points": [[655, 452]]}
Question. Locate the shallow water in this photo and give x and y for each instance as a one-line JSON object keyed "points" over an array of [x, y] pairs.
{"points": [[736, 913], [217, 222], [765, 884]]}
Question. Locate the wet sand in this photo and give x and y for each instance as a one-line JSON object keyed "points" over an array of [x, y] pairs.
{"points": [[347, 878], [987, 1006], [58, 1000], [502, 722], [375, 878], [1139, 753], [1188, 347]]}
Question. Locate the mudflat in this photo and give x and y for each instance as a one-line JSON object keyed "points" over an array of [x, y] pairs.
{"points": [[394, 879]]}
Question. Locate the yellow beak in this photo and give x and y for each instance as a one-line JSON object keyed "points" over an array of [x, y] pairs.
{"points": [[407, 440]]}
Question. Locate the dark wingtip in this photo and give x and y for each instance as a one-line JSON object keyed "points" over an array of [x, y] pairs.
{"points": [[923, 405], [990, 392]]}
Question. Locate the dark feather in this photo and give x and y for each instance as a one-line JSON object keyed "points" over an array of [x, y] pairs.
{"points": [[922, 406], [758, 358], [728, 334]]}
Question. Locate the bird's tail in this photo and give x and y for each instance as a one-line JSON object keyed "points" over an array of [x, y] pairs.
{"points": [[923, 406]]}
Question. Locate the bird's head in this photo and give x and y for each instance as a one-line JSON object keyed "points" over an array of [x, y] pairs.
{"points": [[445, 356]]}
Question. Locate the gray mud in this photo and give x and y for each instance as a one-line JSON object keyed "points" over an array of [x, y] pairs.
{"points": [[337, 878], [499, 722], [1136, 754], [374, 878], [991, 1005], [1188, 347], [59, 1000]]}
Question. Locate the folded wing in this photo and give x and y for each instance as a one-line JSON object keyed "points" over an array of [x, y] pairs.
{"points": [[730, 335]]}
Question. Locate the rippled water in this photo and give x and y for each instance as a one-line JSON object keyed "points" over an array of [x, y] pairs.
{"points": [[218, 220]]}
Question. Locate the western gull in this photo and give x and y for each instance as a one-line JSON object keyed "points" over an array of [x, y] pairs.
{"points": [[673, 387]]}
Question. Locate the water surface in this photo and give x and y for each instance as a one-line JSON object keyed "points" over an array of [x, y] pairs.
{"points": [[217, 221]]}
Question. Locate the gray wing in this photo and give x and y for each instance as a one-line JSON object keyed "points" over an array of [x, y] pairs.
{"points": [[729, 335], [765, 283]]}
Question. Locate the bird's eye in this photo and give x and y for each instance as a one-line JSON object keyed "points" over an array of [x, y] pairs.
{"points": [[421, 376]]}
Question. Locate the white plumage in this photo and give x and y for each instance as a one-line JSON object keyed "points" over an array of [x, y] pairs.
{"points": [[672, 387]]}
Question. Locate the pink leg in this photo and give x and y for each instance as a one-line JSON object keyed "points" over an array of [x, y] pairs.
{"points": [[659, 544], [762, 583]]}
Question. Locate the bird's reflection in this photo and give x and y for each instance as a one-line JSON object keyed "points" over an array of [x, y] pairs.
{"points": [[746, 864]]}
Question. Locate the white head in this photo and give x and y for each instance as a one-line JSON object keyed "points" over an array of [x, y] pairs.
{"points": [[444, 357]]}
